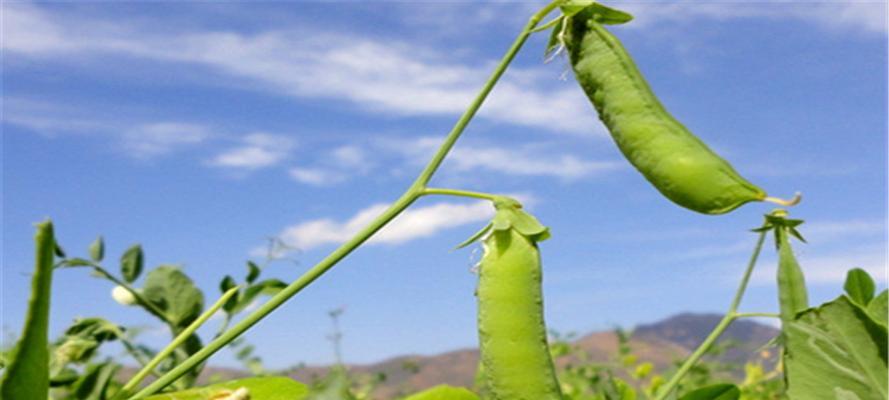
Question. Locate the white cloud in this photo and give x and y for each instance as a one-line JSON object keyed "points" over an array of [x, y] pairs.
{"points": [[860, 16], [415, 223], [151, 140], [831, 268], [527, 160], [258, 150], [377, 75], [316, 176]]}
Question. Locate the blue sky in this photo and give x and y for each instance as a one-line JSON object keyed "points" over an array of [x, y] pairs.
{"points": [[199, 130]]}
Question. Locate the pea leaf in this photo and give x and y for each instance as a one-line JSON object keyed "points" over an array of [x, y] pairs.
{"points": [[27, 375], [252, 271], [227, 283], [555, 41], [609, 16], [174, 293], [792, 294], [97, 249], [258, 388], [859, 286], [131, 263], [571, 7], [720, 391], [836, 351], [335, 386], [268, 287], [878, 308], [444, 392], [95, 383]]}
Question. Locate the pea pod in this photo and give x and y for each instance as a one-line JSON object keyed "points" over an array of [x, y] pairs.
{"points": [[512, 332], [668, 155]]}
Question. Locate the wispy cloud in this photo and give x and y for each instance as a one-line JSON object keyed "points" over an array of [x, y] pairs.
{"points": [[831, 268], [416, 223], [156, 139], [257, 150], [376, 75], [317, 176], [531, 159], [858, 16]]}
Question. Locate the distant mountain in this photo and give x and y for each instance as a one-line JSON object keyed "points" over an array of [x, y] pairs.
{"points": [[661, 343]]}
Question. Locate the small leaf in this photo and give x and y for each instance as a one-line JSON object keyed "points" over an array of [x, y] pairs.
{"points": [[555, 41], [27, 375], [58, 250], [609, 16], [476, 236], [95, 383], [173, 292], [252, 271], [859, 286], [131, 263], [97, 249], [572, 7], [720, 391], [878, 308]]}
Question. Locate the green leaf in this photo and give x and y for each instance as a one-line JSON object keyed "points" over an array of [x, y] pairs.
{"points": [[94, 384], [623, 389], [258, 388], [609, 16], [836, 351], [227, 283], [252, 271], [859, 286], [572, 7], [555, 41], [444, 392], [476, 236], [58, 250], [97, 249], [510, 215], [720, 391], [175, 294], [268, 287], [27, 376], [878, 308], [131, 263]]}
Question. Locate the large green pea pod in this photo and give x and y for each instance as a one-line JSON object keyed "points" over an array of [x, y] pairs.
{"points": [[512, 332], [668, 155]]}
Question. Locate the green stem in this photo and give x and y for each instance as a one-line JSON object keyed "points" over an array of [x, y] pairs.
{"points": [[720, 328], [757, 314], [460, 193], [178, 341], [416, 190]]}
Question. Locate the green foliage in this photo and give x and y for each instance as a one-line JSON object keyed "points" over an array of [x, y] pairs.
{"points": [[97, 249], [444, 392], [260, 388], [173, 292], [859, 286], [836, 351], [27, 376], [878, 309], [335, 386], [720, 391], [131, 263]]}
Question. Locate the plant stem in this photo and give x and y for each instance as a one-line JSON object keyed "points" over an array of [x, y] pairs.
{"points": [[178, 341], [757, 314], [459, 193], [416, 190], [723, 324]]}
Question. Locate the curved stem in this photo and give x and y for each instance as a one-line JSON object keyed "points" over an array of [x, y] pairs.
{"points": [[723, 324], [459, 193], [797, 197], [412, 194]]}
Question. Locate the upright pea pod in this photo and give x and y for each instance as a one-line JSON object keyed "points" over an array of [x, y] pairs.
{"points": [[671, 158], [512, 332]]}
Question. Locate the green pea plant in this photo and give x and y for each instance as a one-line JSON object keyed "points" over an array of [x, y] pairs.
{"points": [[835, 350]]}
